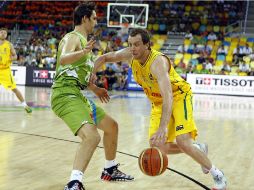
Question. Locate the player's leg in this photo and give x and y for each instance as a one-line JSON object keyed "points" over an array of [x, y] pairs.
{"points": [[185, 143], [10, 83], [22, 100], [90, 138], [68, 104], [185, 134], [18, 94], [110, 128]]}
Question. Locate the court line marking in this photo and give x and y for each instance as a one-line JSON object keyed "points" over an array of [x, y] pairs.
{"points": [[175, 171]]}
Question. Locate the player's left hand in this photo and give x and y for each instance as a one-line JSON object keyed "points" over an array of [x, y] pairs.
{"points": [[102, 93], [160, 137]]}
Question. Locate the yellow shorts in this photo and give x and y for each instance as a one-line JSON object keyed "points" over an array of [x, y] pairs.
{"points": [[181, 121], [6, 79]]}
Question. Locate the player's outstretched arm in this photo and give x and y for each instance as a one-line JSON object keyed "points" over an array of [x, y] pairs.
{"points": [[121, 55]]}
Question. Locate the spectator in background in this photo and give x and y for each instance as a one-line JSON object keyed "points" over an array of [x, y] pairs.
{"points": [[188, 35], [193, 49], [247, 50], [117, 67], [225, 68], [222, 50], [235, 60], [243, 67], [212, 36], [110, 74], [182, 48], [201, 58], [237, 54], [102, 82], [206, 50], [208, 65], [190, 67], [122, 80]]}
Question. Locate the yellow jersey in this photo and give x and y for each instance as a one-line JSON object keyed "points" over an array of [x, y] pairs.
{"points": [[5, 55], [149, 83]]}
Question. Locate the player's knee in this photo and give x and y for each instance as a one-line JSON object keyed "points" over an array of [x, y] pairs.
{"points": [[89, 135], [97, 139], [115, 125], [113, 128], [93, 139]]}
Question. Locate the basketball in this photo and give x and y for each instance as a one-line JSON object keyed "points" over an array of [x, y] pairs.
{"points": [[152, 161]]}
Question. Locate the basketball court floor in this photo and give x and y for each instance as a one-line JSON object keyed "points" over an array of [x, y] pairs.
{"points": [[37, 150]]}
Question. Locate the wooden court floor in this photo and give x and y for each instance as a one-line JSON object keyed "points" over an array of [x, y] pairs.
{"points": [[37, 150]]}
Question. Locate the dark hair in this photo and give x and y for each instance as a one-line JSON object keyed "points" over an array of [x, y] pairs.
{"points": [[143, 33], [3, 28], [84, 9]]}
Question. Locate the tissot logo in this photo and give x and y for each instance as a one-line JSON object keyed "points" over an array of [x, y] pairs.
{"points": [[224, 82], [204, 81], [43, 74]]}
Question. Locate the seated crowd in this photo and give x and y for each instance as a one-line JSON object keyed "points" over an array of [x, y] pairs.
{"points": [[208, 55], [205, 49]]}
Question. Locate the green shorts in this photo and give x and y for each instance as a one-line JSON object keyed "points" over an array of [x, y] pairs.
{"points": [[70, 105]]}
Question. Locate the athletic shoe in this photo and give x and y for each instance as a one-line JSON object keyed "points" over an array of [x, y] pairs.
{"points": [[113, 174], [28, 109], [220, 182], [204, 148], [74, 185]]}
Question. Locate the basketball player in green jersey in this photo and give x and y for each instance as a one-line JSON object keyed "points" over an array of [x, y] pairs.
{"points": [[172, 127], [83, 117]]}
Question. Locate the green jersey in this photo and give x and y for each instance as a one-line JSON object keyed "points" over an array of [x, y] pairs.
{"points": [[76, 73]]}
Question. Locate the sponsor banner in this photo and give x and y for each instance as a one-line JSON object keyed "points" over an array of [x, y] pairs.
{"points": [[222, 84], [19, 74], [132, 85], [39, 77]]}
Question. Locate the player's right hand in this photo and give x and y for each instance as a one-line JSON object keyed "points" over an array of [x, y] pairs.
{"points": [[160, 137]]}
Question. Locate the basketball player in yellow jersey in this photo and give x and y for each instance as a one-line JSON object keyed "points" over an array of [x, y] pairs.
{"points": [[7, 55], [172, 127]]}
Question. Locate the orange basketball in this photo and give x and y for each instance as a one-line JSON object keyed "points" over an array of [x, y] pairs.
{"points": [[152, 161]]}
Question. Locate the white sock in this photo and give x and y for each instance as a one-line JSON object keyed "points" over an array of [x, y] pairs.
{"points": [[110, 163], [76, 175], [196, 145], [215, 171], [24, 104]]}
